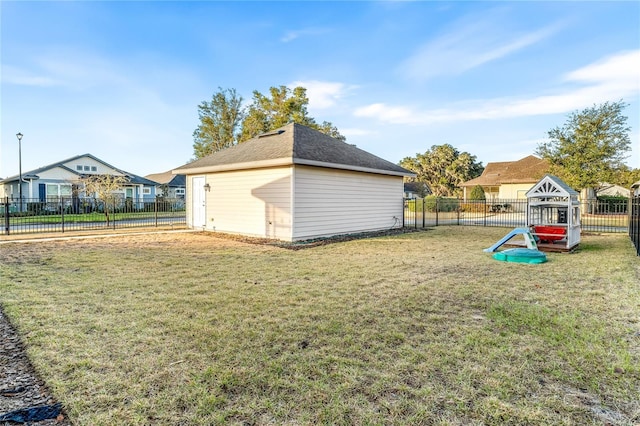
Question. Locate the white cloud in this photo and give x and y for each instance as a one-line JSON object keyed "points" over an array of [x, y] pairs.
{"points": [[22, 77], [469, 45], [609, 79], [323, 94], [622, 67], [294, 34], [74, 69]]}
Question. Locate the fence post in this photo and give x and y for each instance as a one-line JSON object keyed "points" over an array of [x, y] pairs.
{"points": [[458, 209], [6, 216], [484, 213], [155, 209], [424, 212], [62, 212], [437, 209], [404, 203]]}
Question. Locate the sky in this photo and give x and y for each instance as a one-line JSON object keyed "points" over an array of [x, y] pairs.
{"points": [[123, 80]]}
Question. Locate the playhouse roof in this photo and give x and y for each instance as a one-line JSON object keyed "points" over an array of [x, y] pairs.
{"points": [[289, 145], [551, 186]]}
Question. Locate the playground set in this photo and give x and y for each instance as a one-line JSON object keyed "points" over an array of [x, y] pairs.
{"points": [[553, 224]]}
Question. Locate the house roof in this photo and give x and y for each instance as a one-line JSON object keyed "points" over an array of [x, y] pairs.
{"points": [[167, 178], [33, 174], [526, 170], [613, 190], [289, 145]]}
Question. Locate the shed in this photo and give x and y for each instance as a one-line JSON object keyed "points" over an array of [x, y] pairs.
{"points": [[294, 183], [554, 214]]}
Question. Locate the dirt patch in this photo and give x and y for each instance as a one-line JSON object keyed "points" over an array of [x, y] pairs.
{"points": [[20, 387], [315, 242]]}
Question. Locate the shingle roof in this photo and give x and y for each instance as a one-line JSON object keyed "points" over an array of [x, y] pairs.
{"points": [[167, 178], [526, 170], [293, 144]]}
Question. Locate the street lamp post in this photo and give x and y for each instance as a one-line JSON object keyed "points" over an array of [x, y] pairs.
{"points": [[19, 136]]}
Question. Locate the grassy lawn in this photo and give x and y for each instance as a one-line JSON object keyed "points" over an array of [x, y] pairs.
{"points": [[421, 328]]}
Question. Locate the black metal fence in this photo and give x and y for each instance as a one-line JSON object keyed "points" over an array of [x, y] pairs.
{"points": [[422, 212], [634, 222], [66, 214]]}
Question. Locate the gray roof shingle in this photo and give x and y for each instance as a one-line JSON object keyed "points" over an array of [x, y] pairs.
{"points": [[293, 144]]}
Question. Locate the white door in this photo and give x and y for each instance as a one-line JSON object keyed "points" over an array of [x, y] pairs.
{"points": [[197, 202]]}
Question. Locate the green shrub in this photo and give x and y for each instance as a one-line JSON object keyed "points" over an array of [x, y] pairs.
{"points": [[431, 203], [477, 193]]}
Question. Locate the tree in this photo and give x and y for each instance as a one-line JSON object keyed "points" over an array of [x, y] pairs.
{"points": [[282, 107], [104, 187], [590, 147], [219, 122], [477, 193], [443, 168], [626, 176]]}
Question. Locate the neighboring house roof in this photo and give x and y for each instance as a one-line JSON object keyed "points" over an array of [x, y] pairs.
{"points": [[139, 180], [613, 190], [412, 186], [293, 144], [417, 187], [526, 170], [33, 174], [168, 178]]}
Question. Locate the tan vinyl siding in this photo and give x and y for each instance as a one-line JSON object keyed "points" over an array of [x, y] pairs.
{"points": [[250, 202], [330, 202], [514, 191]]}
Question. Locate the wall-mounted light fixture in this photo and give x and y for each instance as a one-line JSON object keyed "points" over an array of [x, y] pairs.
{"points": [[207, 187]]}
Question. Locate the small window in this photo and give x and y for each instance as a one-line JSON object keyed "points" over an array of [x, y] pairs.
{"points": [[65, 190], [94, 169], [87, 168], [79, 167], [146, 191], [53, 190]]}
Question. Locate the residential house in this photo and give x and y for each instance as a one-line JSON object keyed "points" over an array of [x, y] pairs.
{"points": [[171, 186], [611, 190], [63, 179], [293, 183], [508, 180], [415, 190]]}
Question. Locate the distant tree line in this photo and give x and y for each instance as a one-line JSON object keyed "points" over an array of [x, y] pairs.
{"points": [[442, 169]]}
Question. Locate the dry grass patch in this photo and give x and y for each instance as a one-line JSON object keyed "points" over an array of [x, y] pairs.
{"points": [[421, 328]]}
